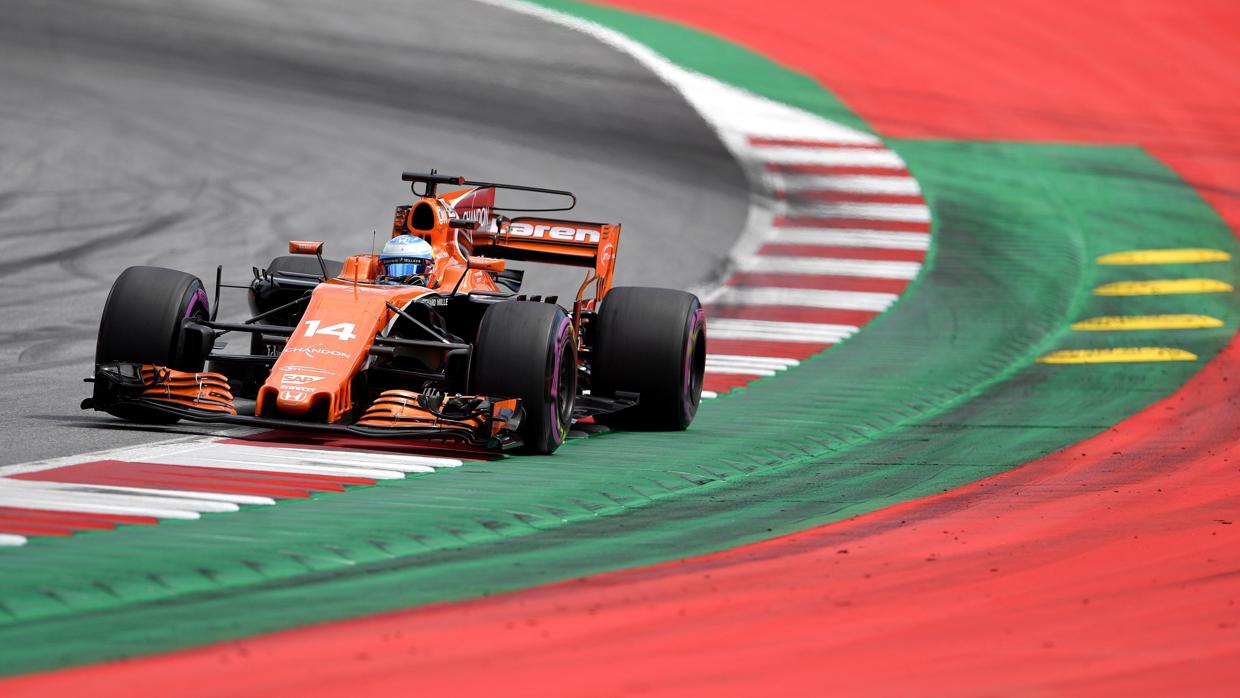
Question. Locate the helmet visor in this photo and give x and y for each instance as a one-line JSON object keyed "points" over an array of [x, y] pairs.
{"points": [[401, 267]]}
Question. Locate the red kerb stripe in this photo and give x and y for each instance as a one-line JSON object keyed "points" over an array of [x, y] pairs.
{"points": [[787, 313], [811, 143], [845, 197], [837, 170], [841, 252], [865, 223], [747, 347], [824, 282]]}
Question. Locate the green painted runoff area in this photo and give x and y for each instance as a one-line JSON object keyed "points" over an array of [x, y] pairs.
{"points": [[940, 391]]}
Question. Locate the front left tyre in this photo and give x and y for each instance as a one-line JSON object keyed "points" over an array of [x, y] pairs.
{"points": [[142, 323]]}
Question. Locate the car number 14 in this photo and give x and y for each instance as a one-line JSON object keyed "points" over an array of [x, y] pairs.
{"points": [[342, 330]]}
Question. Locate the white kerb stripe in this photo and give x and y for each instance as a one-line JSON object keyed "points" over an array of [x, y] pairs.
{"points": [[57, 491], [297, 457], [896, 185], [840, 157], [14, 539], [831, 266], [196, 460], [366, 457], [773, 361], [726, 328], [903, 213], [709, 395], [739, 370], [807, 298], [850, 237], [153, 491], [35, 501]]}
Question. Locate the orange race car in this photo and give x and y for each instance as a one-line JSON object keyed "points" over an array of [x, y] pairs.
{"points": [[431, 338]]}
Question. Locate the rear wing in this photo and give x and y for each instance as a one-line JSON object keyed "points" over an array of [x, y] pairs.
{"points": [[467, 219], [592, 246]]}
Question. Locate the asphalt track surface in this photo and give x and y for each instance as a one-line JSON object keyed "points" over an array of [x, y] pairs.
{"points": [[188, 134], [1105, 569]]}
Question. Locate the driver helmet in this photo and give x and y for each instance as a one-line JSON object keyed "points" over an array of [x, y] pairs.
{"points": [[407, 259]]}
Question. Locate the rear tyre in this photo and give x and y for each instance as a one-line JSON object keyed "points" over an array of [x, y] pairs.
{"points": [[651, 341], [528, 350], [141, 323]]}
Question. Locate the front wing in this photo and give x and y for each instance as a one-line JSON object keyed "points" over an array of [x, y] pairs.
{"points": [[204, 397]]}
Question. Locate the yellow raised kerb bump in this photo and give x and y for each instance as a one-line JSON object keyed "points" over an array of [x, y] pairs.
{"points": [[1162, 287], [1117, 355], [1120, 323], [1184, 255]]}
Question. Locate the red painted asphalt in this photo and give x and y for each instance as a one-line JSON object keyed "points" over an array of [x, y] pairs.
{"points": [[1111, 568]]}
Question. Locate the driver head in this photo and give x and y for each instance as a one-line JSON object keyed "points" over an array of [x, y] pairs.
{"points": [[407, 260]]}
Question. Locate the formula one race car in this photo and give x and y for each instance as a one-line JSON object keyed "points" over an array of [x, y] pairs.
{"points": [[431, 339]]}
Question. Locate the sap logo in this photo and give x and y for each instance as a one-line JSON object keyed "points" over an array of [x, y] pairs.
{"points": [[298, 379], [554, 232], [289, 396]]}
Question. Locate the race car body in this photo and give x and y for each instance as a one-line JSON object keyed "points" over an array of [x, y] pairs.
{"points": [[459, 353]]}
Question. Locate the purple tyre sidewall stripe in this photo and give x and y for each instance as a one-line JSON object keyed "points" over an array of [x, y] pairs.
{"points": [[697, 325], [198, 301], [563, 335]]}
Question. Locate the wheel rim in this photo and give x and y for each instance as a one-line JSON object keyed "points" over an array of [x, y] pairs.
{"points": [[695, 363], [563, 382]]}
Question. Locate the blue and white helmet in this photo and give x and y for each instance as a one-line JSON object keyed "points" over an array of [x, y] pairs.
{"points": [[407, 258]]}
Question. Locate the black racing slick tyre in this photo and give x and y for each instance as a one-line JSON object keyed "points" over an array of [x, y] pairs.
{"points": [[528, 350], [141, 323], [651, 341]]}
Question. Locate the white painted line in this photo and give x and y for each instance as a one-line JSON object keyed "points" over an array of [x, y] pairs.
{"points": [[738, 370], [709, 395], [807, 298], [895, 185], [69, 493], [850, 237], [726, 328], [91, 506], [831, 266], [839, 157], [725, 107], [903, 213], [14, 539], [773, 361]]}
